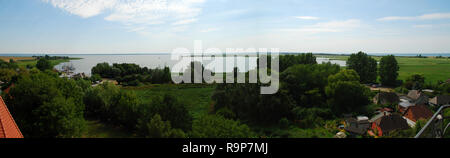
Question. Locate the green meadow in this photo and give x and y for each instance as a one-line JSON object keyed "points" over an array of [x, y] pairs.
{"points": [[197, 97]]}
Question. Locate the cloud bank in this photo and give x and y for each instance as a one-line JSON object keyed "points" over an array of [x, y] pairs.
{"points": [[435, 16], [135, 14]]}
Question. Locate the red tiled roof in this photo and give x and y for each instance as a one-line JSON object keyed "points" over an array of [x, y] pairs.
{"points": [[415, 113], [8, 127]]}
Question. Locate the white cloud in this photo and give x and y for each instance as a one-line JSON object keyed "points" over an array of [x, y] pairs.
{"points": [[83, 8], [331, 26], [210, 30], [137, 15], [183, 22], [434, 16], [307, 17]]}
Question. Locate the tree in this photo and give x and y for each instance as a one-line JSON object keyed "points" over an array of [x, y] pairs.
{"points": [[364, 65], [346, 94], [44, 64], [6, 75], [287, 61], [60, 118], [173, 110], [305, 84], [157, 128], [415, 82], [45, 105], [215, 126], [388, 70]]}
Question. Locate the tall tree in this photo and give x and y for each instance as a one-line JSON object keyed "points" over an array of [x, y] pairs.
{"points": [[364, 65], [389, 70], [43, 64]]}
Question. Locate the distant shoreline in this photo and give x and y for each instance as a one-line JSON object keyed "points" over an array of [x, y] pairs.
{"points": [[283, 53]]}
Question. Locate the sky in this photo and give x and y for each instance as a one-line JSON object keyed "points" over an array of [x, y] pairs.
{"points": [[160, 26]]}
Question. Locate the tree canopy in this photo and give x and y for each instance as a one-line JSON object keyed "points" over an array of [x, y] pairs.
{"points": [[364, 65], [389, 70]]}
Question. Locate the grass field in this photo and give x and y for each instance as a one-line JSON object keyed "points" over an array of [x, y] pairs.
{"points": [[434, 69], [97, 129], [196, 97]]}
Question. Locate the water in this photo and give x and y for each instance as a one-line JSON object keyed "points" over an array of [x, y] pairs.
{"points": [[85, 64]]}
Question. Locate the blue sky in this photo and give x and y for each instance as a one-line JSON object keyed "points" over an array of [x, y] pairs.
{"points": [[159, 26]]}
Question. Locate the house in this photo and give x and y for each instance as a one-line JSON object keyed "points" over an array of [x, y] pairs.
{"points": [[414, 94], [388, 123], [8, 127], [403, 106], [385, 98], [418, 97], [415, 113], [440, 100], [358, 126]]}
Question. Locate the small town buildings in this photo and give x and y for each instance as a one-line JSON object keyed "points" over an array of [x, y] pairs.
{"points": [[415, 113], [386, 98], [388, 123], [440, 100], [358, 126], [8, 127], [417, 97], [403, 106]]}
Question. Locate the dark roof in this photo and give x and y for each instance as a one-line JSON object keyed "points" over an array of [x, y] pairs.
{"points": [[356, 130], [419, 112], [392, 122], [387, 98], [422, 100], [441, 100]]}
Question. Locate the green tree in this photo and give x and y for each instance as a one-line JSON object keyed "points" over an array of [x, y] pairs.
{"points": [[157, 128], [415, 82], [6, 75], [60, 118], [47, 106], [44, 64], [346, 94], [214, 126], [364, 65], [173, 110], [389, 70]]}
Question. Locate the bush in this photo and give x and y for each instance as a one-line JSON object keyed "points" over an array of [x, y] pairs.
{"points": [[210, 126]]}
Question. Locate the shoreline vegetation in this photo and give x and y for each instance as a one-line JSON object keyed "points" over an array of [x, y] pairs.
{"points": [[143, 102]]}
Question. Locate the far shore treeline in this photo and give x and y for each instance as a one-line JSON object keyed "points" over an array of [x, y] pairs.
{"points": [[311, 101]]}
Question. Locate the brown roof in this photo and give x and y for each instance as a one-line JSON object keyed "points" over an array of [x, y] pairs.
{"points": [[418, 112], [8, 127], [392, 122], [387, 98]]}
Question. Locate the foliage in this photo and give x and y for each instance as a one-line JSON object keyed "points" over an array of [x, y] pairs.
{"points": [[47, 106], [389, 70], [157, 128], [6, 75], [215, 126], [364, 65], [415, 82], [305, 84], [8, 65], [132, 74], [287, 61], [346, 94], [44, 64]]}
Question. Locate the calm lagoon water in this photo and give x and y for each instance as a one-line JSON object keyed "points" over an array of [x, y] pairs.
{"points": [[85, 64]]}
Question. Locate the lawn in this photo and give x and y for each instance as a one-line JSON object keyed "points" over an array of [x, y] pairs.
{"points": [[197, 97], [97, 129], [434, 69]]}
